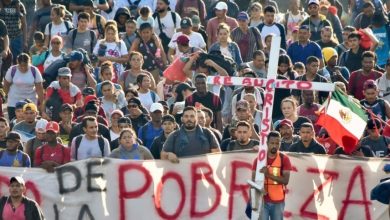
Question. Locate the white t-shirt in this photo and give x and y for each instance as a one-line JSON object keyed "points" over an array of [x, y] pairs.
{"points": [[114, 49], [168, 27], [59, 30], [146, 99], [89, 149], [109, 106], [50, 59], [124, 3], [225, 51], [22, 85], [269, 30], [113, 135], [196, 40]]}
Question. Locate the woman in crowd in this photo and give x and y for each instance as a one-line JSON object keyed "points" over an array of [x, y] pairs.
{"points": [[57, 26], [106, 73], [112, 99], [289, 111], [129, 149], [256, 14], [44, 59], [225, 44], [285, 67]]}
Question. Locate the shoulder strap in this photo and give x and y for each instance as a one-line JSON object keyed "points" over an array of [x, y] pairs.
{"points": [[101, 144], [281, 160], [156, 15], [50, 26], [24, 159], [34, 72], [92, 40], [77, 144], [256, 37], [153, 96], [99, 25], [13, 72], [74, 35], [144, 130], [67, 25], [173, 14]]}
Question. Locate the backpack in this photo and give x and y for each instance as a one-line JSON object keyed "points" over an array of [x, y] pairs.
{"points": [[78, 141], [51, 72], [33, 70], [165, 40], [24, 157], [92, 36], [53, 106], [68, 26]]}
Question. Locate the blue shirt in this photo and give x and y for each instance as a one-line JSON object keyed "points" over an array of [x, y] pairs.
{"points": [[298, 53], [14, 160], [149, 135], [382, 50]]}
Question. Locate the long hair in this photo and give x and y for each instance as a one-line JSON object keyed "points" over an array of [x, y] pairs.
{"points": [[112, 28]]}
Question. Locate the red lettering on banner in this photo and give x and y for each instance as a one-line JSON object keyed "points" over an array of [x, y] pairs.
{"points": [[329, 177], [157, 198], [263, 137], [258, 82], [356, 173], [261, 156], [269, 85], [123, 193], [265, 122], [247, 82], [227, 81], [206, 174], [243, 188], [304, 85], [288, 83], [30, 186], [216, 80], [268, 99]]}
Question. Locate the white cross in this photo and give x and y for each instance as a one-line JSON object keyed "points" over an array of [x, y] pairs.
{"points": [[270, 84]]}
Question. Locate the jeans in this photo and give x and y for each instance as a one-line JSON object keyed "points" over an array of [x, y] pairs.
{"points": [[272, 211], [16, 46]]}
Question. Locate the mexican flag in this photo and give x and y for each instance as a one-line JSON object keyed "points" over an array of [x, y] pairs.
{"points": [[344, 120]]}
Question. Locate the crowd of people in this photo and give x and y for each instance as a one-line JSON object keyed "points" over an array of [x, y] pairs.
{"points": [[85, 78]]}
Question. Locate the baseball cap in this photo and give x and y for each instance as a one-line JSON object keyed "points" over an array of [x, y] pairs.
{"points": [[221, 6], [243, 16], [88, 91], [317, 2], [287, 122], [304, 27], [156, 107], [76, 56], [168, 118], [242, 104], [185, 22], [118, 112], [124, 120], [374, 123], [53, 126], [195, 20], [183, 87], [20, 104], [369, 84], [134, 100], [64, 71], [30, 106], [66, 107], [40, 126], [183, 40], [17, 179], [91, 106], [13, 135]]}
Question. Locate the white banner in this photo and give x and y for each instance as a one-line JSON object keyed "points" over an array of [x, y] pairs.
{"points": [[206, 187]]}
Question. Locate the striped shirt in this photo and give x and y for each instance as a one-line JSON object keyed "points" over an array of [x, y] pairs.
{"points": [[247, 42]]}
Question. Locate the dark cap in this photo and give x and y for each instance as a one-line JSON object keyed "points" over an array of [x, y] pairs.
{"points": [[76, 56], [168, 118], [243, 16], [20, 104], [134, 100], [13, 136], [90, 106], [374, 124], [304, 27], [124, 120], [66, 107], [185, 22], [88, 91], [369, 84], [17, 179], [183, 87]]}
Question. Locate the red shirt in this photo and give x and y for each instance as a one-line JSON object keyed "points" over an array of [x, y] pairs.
{"points": [[59, 154], [311, 114], [356, 82], [10, 214], [68, 96], [286, 165]]}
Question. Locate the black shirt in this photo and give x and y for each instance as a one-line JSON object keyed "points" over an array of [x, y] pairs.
{"points": [[353, 61], [322, 96], [314, 147], [331, 44], [139, 121], [157, 146]]}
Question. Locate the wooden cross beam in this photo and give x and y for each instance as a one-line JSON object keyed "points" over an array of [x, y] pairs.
{"points": [[269, 84]]}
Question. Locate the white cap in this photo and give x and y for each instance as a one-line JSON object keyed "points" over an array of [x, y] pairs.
{"points": [[221, 6], [40, 127], [317, 2], [156, 106]]}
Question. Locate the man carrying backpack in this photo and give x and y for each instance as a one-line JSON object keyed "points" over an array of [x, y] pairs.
{"points": [[82, 37], [60, 92], [89, 145]]}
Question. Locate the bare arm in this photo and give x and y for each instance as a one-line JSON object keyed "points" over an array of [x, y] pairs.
{"points": [[284, 179], [387, 108], [169, 156], [40, 93], [171, 54]]}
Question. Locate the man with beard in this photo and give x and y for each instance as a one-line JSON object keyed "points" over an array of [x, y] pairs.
{"points": [[286, 129], [190, 139], [16, 205], [307, 144], [277, 176], [243, 142]]}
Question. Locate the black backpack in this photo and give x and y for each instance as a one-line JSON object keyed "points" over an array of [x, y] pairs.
{"points": [[53, 106], [78, 141]]}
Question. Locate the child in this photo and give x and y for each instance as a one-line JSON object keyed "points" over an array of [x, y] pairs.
{"points": [[113, 99], [299, 67], [146, 17], [130, 35], [38, 46]]}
